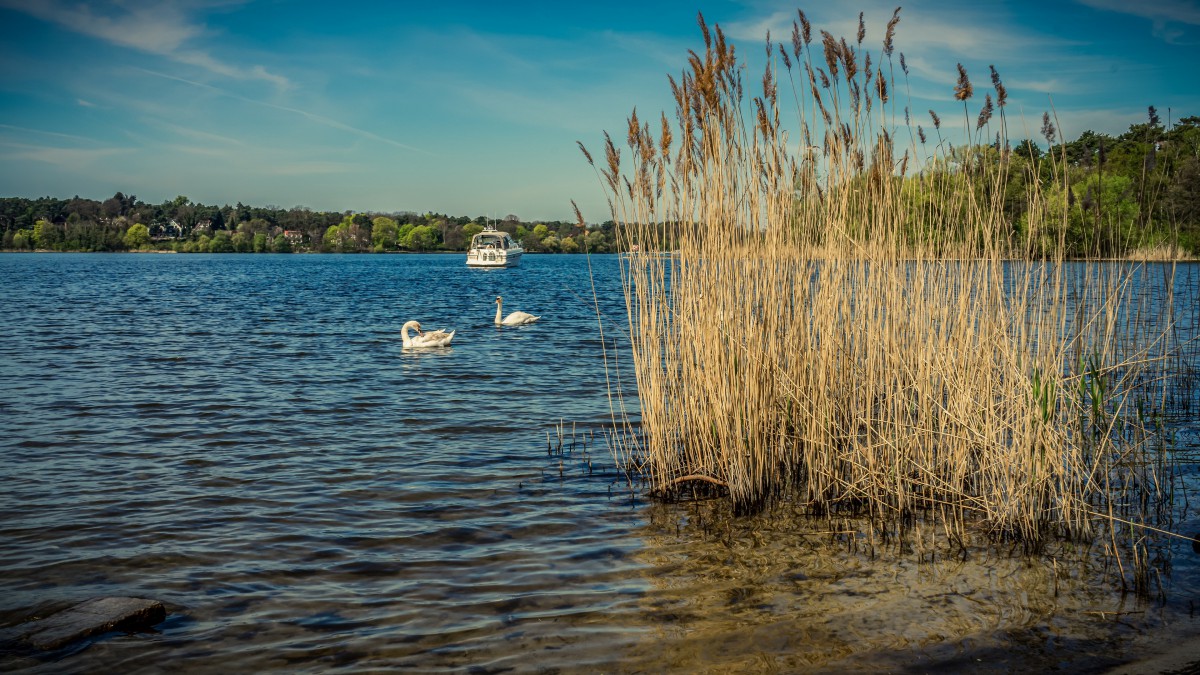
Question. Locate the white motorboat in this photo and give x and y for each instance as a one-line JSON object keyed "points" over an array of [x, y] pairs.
{"points": [[494, 248]]}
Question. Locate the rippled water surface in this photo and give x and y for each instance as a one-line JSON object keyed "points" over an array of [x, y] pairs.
{"points": [[243, 438]]}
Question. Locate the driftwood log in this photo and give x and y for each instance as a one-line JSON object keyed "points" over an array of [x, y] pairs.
{"points": [[92, 617]]}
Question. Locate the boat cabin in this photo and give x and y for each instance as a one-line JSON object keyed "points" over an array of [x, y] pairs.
{"points": [[493, 248]]}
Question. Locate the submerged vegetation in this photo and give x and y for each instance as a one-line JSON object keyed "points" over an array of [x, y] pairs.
{"points": [[838, 309]]}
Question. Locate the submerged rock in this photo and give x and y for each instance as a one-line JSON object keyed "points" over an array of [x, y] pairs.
{"points": [[98, 615]]}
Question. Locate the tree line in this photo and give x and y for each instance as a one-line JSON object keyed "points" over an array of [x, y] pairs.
{"points": [[125, 223], [1102, 195]]}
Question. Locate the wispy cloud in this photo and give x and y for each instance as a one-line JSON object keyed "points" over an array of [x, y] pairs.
{"points": [[925, 28], [1164, 15], [312, 168], [70, 158], [26, 131], [313, 117], [153, 26], [933, 38], [1177, 11], [198, 135], [201, 150]]}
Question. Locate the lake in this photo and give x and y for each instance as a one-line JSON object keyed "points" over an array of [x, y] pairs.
{"points": [[243, 438]]}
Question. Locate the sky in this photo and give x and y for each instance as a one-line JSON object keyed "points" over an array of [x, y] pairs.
{"points": [[475, 108]]}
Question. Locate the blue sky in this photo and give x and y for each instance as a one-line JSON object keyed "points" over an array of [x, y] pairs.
{"points": [[474, 108]]}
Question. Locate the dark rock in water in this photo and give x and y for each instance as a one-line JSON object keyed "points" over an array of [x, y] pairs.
{"points": [[92, 617]]}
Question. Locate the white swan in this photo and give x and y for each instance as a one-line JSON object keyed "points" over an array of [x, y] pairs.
{"points": [[514, 319], [437, 338]]}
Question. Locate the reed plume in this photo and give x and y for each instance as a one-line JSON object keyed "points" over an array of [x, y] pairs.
{"points": [[586, 154], [827, 328], [890, 34], [985, 113], [833, 52], [1048, 131], [1001, 92], [963, 89]]}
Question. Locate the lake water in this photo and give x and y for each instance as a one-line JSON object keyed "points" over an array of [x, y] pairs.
{"points": [[243, 438]]}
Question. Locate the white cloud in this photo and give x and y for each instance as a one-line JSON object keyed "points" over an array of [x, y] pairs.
{"points": [[1173, 11], [156, 27], [69, 158], [1165, 16], [197, 135], [25, 131], [311, 116], [312, 168]]}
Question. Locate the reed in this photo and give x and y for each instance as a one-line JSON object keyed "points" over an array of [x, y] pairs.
{"points": [[824, 309], [1160, 252]]}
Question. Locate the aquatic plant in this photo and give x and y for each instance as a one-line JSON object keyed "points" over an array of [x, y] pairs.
{"points": [[820, 308]]}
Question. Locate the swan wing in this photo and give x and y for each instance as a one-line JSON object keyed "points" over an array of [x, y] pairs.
{"points": [[437, 338], [434, 338], [519, 318]]}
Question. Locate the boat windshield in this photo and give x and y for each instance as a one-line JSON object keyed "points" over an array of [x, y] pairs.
{"points": [[488, 240]]}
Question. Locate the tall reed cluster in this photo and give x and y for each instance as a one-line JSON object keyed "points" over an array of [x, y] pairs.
{"points": [[830, 305]]}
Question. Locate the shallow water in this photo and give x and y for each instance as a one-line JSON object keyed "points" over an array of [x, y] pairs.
{"points": [[243, 438]]}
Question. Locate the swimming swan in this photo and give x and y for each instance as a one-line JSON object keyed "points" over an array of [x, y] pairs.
{"points": [[514, 319], [437, 338]]}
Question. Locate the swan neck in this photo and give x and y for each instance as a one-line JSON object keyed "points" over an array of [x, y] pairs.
{"points": [[498, 311]]}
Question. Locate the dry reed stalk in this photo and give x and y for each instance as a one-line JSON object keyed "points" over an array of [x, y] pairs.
{"points": [[834, 326], [1159, 252]]}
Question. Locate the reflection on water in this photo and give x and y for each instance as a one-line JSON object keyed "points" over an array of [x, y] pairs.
{"points": [[243, 438]]}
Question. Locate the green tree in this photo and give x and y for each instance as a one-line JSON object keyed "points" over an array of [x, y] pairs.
{"points": [[1028, 150], [385, 234], [597, 242], [423, 238], [200, 245], [137, 236], [336, 238], [532, 241], [282, 245], [568, 245], [221, 243], [404, 236], [259, 243], [23, 239], [242, 242], [471, 229], [1100, 214], [39, 229]]}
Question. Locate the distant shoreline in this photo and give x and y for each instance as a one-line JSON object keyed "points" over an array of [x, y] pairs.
{"points": [[1189, 259]]}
